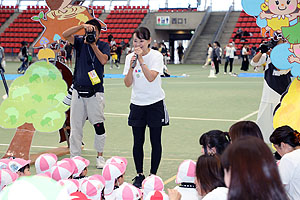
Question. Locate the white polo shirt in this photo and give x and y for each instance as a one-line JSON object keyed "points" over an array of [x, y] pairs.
{"points": [[145, 92]]}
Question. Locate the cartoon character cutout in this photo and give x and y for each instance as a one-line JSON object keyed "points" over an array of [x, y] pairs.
{"points": [[61, 16], [292, 34], [278, 13]]}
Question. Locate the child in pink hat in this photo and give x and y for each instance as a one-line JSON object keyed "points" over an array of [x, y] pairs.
{"points": [[44, 162], [186, 178], [72, 185], [20, 166], [92, 188], [4, 163], [81, 165], [63, 169], [157, 195], [7, 177], [152, 183], [128, 192], [113, 174]]}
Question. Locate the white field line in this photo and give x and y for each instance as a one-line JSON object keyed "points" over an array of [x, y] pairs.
{"points": [[197, 82], [248, 116], [181, 118]]}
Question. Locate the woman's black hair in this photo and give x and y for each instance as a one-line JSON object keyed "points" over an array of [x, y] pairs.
{"points": [[244, 128], [23, 168], [95, 23], [286, 135], [209, 44], [142, 33], [217, 43], [215, 138]]}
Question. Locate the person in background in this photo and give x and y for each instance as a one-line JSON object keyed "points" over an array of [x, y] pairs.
{"points": [[112, 42], [250, 171], [164, 52], [216, 55], [142, 71], [2, 58], [245, 57], [69, 50], [180, 51], [214, 142], [210, 178], [244, 128], [119, 53], [155, 46], [230, 50], [24, 58], [113, 56], [208, 58], [287, 143]]}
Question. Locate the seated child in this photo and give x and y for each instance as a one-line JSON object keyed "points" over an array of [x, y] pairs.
{"points": [[152, 183], [20, 166], [186, 178]]}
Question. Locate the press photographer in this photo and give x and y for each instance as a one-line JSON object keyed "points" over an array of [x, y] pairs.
{"points": [[276, 83], [88, 93]]}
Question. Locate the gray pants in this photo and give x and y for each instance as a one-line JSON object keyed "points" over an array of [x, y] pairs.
{"points": [[81, 108]]}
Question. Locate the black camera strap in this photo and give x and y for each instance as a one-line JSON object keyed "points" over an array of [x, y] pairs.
{"points": [[92, 58]]}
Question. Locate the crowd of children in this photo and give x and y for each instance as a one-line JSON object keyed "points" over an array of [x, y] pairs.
{"points": [[233, 165]]}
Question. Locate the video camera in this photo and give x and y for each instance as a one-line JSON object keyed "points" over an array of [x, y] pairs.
{"points": [[90, 37], [266, 46]]}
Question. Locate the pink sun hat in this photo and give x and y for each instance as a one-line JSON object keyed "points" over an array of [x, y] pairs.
{"points": [[44, 162], [7, 177], [4, 163], [92, 189], [110, 173], [152, 183], [16, 164], [186, 172], [128, 192], [156, 195], [116, 159], [72, 185], [63, 169], [80, 164], [97, 177]]}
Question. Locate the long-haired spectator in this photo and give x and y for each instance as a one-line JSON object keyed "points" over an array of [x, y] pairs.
{"points": [[214, 141], [210, 178], [251, 172], [287, 143], [244, 128]]}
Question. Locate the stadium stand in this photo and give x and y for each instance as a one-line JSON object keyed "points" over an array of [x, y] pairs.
{"points": [[98, 10], [122, 21], [22, 29], [247, 23], [6, 12], [177, 10]]}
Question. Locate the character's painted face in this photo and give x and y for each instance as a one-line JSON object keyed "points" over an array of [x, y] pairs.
{"points": [[296, 49], [282, 7]]}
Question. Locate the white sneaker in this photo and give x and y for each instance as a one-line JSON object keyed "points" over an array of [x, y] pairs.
{"points": [[225, 73], [230, 73], [100, 162]]}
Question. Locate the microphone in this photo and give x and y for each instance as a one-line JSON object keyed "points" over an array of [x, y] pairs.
{"points": [[134, 62]]}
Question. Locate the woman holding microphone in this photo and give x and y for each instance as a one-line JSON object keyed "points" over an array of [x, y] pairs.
{"points": [[142, 71]]}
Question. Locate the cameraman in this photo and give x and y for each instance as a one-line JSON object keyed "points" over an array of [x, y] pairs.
{"points": [[276, 83], [88, 94]]}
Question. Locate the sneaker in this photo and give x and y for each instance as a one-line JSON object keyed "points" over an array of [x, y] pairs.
{"points": [[137, 181], [225, 73], [229, 73], [100, 162]]}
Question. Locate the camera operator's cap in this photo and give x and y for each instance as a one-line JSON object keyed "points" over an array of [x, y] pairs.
{"points": [[92, 189], [152, 183], [63, 169], [78, 196], [72, 185], [4, 163], [186, 172], [110, 173], [80, 164], [117, 159], [16, 164], [7, 177], [157, 195], [128, 192], [44, 162]]}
